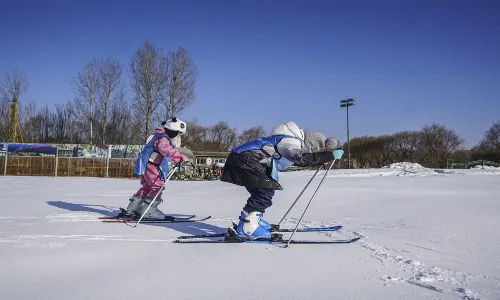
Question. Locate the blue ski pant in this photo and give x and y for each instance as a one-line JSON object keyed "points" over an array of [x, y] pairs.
{"points": [[259, 200]]}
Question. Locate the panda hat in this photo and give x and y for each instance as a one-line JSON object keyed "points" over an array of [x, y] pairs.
{"points": [[175, 124]]}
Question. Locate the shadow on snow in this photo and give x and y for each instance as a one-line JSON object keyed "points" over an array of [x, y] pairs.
{"points": [[193, 228]]}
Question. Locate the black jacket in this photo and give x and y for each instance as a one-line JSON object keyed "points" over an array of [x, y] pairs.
{"points": [[245, 169]]}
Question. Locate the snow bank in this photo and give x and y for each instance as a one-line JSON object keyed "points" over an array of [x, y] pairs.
{"points": [[487, 168], [411, 169], [406, 165]]}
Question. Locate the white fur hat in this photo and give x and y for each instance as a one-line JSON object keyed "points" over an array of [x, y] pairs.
{"points": [[175, 124]]}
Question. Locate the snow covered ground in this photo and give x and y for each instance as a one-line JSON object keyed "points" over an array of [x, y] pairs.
{"points": [[427, 234]]}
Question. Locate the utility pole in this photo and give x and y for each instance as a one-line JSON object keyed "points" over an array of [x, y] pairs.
{"points": [[346, 103]]}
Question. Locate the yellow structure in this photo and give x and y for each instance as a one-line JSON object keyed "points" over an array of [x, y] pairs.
{"points": [[15, 134]]}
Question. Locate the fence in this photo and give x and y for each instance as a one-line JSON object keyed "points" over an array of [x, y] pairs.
{"points": [[67, 166], [114, 161], [450, 164], [68, 160]]}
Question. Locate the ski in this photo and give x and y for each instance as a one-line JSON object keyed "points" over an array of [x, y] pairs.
{"points": [[123, 215], [270, 242], [306, 229], [128, 217], [309, 229], [148, 221]]}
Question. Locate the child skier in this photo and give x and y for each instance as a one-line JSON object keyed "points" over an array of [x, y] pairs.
{"points": [[153, 166], [255, 166]]}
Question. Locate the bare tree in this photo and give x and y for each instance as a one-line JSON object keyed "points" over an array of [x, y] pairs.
{"points": [[150, 72], [122, 128], [28, 113], [15, 85], [491, 140], [3, 93], [109, 89], [358, 151], [38, 124], [181, 82], [251, 134], [461, 156], [371, 152], [4, 119], [489, 147], [384, 147], [221, 137], [86, 86], [195, 137], [438, 142], [62, 122], [47, 124], [406, 146], [4, 114]]}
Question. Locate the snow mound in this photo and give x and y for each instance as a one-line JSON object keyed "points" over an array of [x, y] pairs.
{"points": [[487, 168], [406, 165]]}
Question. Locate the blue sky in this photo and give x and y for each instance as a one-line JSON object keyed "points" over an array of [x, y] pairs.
{"points": [[407, 63]]}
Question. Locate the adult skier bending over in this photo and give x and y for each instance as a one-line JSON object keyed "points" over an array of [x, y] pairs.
{"points": [[255, 166], [152, 165]]}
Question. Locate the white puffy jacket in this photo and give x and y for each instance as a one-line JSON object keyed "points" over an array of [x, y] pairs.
{"points": [[289, 147]]}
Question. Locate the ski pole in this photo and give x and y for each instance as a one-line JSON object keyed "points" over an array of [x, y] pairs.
{"points": [[161, 189], [310, 180], [321, 182]]}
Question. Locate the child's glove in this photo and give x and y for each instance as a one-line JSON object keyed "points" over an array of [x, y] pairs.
{"points": [[179, 158], [337, 154]]}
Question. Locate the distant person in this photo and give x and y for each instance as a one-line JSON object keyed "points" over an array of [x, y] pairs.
{"points": [[255, 166], [152, 165]]}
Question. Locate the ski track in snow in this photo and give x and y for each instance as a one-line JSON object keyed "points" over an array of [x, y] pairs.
{"points": [[419, 274]]}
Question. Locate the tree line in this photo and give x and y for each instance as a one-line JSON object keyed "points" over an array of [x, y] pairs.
{"points": [[431, 146], [218, 137], [106, 110], [63, 125]]}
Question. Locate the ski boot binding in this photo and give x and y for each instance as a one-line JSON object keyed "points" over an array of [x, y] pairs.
{"points": [[251, 227]]}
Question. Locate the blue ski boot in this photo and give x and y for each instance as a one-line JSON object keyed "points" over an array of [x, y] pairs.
{"points": [[252, 227], [262, 222]]}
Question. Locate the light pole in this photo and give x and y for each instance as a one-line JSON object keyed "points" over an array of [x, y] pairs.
{"points": [[346, 103]]}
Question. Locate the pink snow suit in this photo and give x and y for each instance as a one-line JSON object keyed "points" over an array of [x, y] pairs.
{"points": [[151, 180]]}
